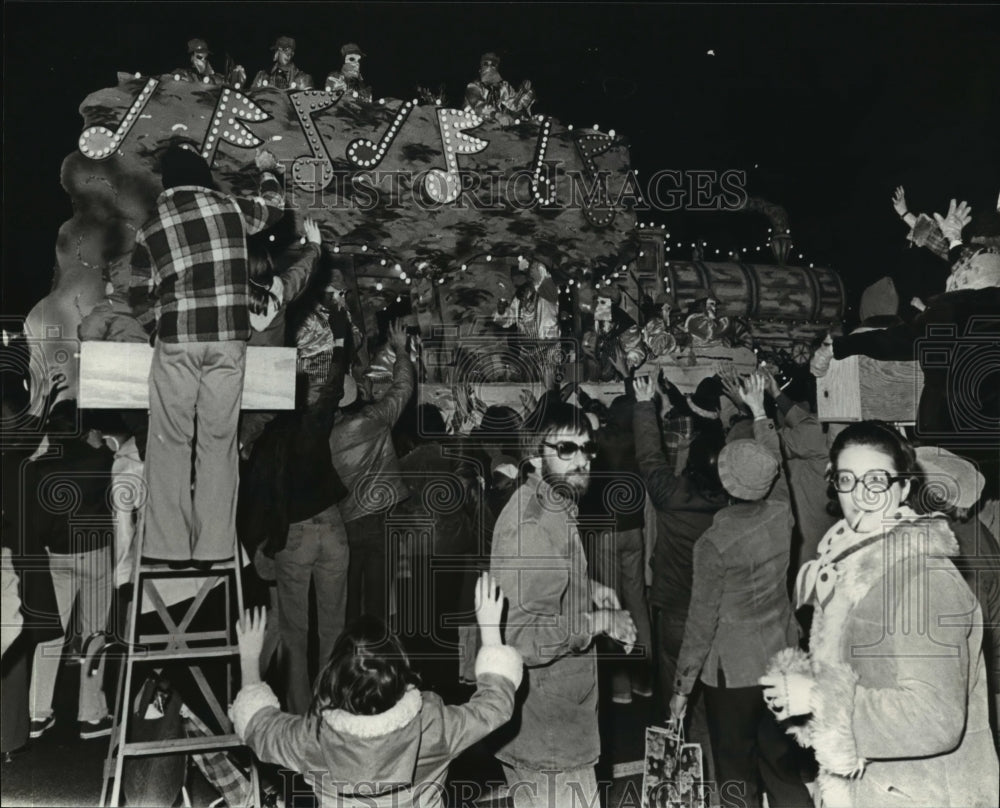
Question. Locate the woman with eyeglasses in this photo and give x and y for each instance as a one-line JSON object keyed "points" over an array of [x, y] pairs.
{"points": [[892, 696]]}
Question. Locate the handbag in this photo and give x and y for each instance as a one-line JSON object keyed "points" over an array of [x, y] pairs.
{"points": [[673, 775]]}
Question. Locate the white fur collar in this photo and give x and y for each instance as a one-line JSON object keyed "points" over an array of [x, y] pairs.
{"points": [[375, 726]]}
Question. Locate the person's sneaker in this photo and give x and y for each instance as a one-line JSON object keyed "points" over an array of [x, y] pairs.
{"points": [[642, 691], [39, 726], [622, 698], [95, 729]]}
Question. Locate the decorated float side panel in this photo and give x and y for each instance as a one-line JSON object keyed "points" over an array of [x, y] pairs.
{"points": [[422, 186], [759, 292]]}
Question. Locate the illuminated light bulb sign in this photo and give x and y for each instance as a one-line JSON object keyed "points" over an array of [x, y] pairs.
{"points": [[542, 189], [445, 186], [315, 172], [365, 154], [589, 145], [99, 142], [232, 109]]}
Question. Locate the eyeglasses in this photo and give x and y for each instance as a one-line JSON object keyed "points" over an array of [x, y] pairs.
{"points": [[876, 481], [567, 449]]}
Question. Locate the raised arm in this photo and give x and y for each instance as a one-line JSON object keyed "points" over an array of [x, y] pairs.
{"points": [[390, 407], [267, 207], [658, 474]]}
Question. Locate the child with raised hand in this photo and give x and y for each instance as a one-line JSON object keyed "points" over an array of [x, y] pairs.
{"points": [[371, 737]]}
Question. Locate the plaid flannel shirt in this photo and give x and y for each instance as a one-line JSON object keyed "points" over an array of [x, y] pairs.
{"points": [[189, 265]]}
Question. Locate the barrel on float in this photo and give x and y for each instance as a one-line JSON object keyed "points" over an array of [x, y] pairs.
{"points": [[760, 292]]}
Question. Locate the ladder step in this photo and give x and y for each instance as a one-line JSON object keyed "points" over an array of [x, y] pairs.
{"points": [[178, 745], [184, 653]]}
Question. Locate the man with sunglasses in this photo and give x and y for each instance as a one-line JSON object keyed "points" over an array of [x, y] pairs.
{"points": [[555, 611]]}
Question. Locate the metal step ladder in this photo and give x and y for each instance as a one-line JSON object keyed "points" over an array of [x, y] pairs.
{"points": [[176, 643]]}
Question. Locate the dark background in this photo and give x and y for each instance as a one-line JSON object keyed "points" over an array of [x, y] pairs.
{"points": [[827, 108]]}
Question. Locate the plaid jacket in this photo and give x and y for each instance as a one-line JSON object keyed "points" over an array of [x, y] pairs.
{"points": [[189, 265]]}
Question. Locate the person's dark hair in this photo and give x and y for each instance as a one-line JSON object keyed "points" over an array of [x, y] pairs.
{"points": [[367, 673], [259, 262], [181, 166], [551, 416], [258, 297], [882, 437]]}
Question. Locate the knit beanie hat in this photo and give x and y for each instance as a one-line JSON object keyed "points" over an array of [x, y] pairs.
{"points": [[747, 469]]}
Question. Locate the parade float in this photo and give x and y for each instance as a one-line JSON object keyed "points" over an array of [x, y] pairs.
{"points": [[433, 213]]}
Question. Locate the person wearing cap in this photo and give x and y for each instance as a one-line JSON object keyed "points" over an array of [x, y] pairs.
{"points": [[283, 75], [349, 79], [952, 485], [741, 615], [492, 98], [201, 69]]}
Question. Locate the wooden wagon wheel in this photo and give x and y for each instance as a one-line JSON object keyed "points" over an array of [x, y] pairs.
{"points": [[801, 353]]}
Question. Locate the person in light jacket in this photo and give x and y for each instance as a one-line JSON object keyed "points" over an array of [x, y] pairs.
{"points": [[371, 737], [892, 696]]}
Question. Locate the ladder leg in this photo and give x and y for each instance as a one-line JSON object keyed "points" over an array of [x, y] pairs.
{"points": [[115, 759]]}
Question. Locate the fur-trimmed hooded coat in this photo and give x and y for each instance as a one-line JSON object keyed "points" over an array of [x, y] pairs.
{"points": [[895, 651], [398, 758]]}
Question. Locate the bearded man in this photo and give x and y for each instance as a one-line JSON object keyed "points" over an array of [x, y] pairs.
{"points": [[493, 98], [555, 611], [349, 79], [283, 75]]}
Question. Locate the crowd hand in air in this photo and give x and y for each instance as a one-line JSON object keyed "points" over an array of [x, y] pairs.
{"points": [[918, 304], [770, 383], [266, 161], [899, 201], [730, 379], [954, 221], [489, 609], [250, 631], [644, 389], [752, 393]]}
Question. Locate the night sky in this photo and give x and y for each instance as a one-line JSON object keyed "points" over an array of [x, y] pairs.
{"points": [[827, 108]]}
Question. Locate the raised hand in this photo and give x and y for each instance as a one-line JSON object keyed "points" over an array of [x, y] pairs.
{"points": [[266, 161], [730, 381], [489, 600], [899, 202], [644, 389], [752, 392], [397, 337], [311, 228], [250, 632], [951, 224]]}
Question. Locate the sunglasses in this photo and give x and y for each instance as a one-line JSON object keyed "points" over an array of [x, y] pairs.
{"points": [[567, 449], [876, 481]]}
